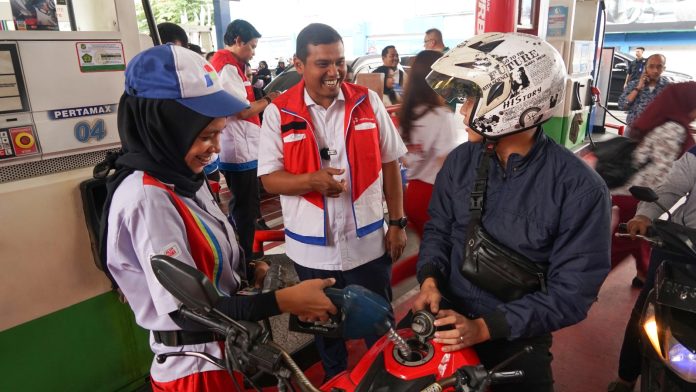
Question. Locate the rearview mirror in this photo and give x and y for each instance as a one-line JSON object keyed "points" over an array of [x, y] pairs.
{"points": [[643, 193], [185, 283]]}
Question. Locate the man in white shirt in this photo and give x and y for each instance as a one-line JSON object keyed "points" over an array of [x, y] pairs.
{"points": [[240, 138], [330, 150]]}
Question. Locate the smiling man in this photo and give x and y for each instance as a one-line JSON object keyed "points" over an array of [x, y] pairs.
{"points": [[330, 150]]}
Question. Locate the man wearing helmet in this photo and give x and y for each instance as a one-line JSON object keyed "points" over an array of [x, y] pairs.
{"points": [[510, 197]]}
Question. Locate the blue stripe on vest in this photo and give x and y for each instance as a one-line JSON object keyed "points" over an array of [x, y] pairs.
{"points": [[238, 167], [365, 230], [692, 150], [306, 239]]}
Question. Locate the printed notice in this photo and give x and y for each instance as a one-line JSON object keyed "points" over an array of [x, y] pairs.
{"points": [[558, 20], [101, 56]]}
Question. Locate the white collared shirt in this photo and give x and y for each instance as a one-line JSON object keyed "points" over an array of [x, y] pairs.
{"points": [[344, 250]]}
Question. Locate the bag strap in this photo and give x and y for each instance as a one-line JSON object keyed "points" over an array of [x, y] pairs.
{"points": [[478, 196]]}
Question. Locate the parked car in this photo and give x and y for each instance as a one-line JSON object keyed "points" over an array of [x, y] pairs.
{"points": [[290, 77], [618, 77]]}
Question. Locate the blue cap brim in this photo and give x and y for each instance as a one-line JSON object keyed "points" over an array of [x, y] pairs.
{"points": [[219, 104]]}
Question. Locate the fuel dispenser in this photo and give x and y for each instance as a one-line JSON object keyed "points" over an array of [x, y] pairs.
{"points": [[570, 26], [62, 68], [571, 30]]}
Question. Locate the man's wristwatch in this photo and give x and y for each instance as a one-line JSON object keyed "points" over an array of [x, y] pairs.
{"points": [[401, 222]]}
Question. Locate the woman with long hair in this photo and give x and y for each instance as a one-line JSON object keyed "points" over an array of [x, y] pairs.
{"points": [[428, 129]]}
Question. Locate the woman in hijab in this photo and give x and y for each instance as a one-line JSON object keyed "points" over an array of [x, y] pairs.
{"points": [[389, 94], [263, 73], [666, 133], [169, 119]]}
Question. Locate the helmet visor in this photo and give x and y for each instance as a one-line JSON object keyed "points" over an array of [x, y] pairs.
{"points": [[454, 90]]}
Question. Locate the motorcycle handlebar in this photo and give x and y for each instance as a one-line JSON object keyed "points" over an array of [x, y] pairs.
{"points": [[505, 377], [650, 235], [474, 378], [263, 354]]}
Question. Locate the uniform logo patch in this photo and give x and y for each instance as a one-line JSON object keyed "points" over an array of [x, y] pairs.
{"points": [[365, 126], [210, 76], [294, 137], [171, 250]]}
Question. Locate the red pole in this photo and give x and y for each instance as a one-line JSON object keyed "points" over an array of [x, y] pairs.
{"points": [[496, 16]]}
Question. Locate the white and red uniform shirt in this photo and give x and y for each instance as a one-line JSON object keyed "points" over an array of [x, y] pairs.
{"points": [[239, 141], [432, 136], [344, 247], [144, 221]]}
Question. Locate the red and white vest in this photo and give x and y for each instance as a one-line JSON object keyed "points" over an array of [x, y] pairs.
{"points": [[240, 138], [304, 216]]}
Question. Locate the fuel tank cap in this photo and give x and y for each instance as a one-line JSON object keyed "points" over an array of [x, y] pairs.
{"points": [[423, 325]]}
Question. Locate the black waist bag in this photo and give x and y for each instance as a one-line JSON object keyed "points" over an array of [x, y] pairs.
{"points": [[495, 268], [488, 264]]}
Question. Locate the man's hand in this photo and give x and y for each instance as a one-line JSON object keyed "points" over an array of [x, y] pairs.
{"points": [[638, 225], [260, 270], [307, 300], [322, 181], [429, 296], [465, 333], [644, 79], [395, 242], [273, 95]]}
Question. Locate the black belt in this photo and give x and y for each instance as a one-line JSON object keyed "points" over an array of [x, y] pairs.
{"points": [[183, 338]]}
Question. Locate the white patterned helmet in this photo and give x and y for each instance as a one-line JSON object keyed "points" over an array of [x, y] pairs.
{"points": [[517, 81]]}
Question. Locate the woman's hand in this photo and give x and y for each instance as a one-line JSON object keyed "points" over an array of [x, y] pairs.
{"points": [[429, 296], [638, 225], [465, 333], [307, 300]]}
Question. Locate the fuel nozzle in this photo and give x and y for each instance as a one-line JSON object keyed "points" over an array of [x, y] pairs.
{"points": [[423, 327], [400, 343]]}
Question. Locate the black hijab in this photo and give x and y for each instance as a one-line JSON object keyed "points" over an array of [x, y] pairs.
{"points": [[388, 91], [156, 135]]}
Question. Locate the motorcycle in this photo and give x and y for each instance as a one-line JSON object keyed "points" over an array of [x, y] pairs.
{"points": [[668, 319], [407, 360]]}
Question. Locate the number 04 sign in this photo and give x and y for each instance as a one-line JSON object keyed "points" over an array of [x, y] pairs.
{"points": [[86, 131]]}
